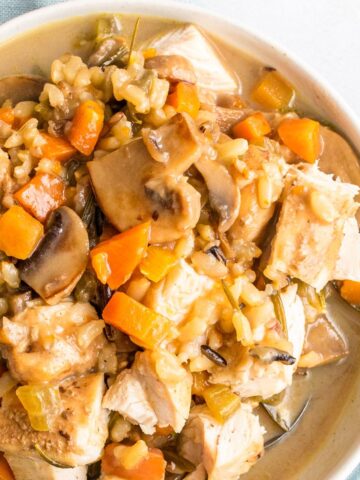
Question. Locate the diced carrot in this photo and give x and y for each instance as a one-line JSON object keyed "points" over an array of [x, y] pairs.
{"points": [[273, 91], [43, 194], [56, 148], [101, 266], [5, 470], [151, 467], [350, 291], [143, 324], [253, 127], [157, 262], [87, 124], [185, 99], [19, 233], [302, 136], [7, 115], [164, 431], [124, 253], [149, 53]]}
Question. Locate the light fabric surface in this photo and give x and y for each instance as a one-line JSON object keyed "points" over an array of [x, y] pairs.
{"points": [[320, 33]]}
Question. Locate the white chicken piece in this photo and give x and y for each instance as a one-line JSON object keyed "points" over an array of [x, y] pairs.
{"points": [[49, 343], [348, 262], [176, 293], [227, 449], [311, 229], [295, 320], [155, 391], [78, 433], [251, 377], [211, 70], [30, 468], [128, 397]]}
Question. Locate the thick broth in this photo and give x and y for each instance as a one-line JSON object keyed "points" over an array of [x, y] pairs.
{"points": [[331, 385]]}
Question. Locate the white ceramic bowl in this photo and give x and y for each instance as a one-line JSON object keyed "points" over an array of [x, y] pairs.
{"points": [[340, 452]]}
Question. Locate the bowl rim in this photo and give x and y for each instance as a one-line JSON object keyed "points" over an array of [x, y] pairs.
{"points": [[26, 22]]}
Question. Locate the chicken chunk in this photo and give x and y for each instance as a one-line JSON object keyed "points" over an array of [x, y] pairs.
{"points": [[227, 449], [211, 71], [252, 377], [121, 395], [313, 222], [161, 387], [77, 435], [348, 266], [176, 293], [49, 343], [30, 468]]}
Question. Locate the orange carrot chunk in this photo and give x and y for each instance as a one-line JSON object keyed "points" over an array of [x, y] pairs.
{"points": [[146, 327], [7, 115], [43, 194], [87, 124], [56, 148], [185, 99], [157, 263], [302, 136], [253, 127], [5, 470], [150, 466], [123, 254], [350, 291], [273, 91], [19, 233]]}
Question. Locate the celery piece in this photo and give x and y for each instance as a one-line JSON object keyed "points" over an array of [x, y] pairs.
{"points": [[41, 403], [221, 401]]}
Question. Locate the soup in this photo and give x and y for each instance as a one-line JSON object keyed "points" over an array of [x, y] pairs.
{"points": [[176, 248]]}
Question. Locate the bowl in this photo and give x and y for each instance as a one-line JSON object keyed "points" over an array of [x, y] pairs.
{"points": [[328, 448]]}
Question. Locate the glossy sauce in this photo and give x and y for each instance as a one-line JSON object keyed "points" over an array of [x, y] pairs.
{"points": [[332, 386]]}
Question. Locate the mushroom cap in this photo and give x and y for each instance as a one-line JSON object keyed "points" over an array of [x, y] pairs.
{"points": [[21, 87], [174, 68], [57, 264], [132, 187], [224, 194]]}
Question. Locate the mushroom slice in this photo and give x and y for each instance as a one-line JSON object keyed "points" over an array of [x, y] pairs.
{"points": [[178, 203], [118, 180], [224, 195], [211, 70], [228, 117], [251, 224], [335, 148], [57, 264], [131, 188], [324, 343], [21, 87], [111, 51], [177, 143], [174, 68]]}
